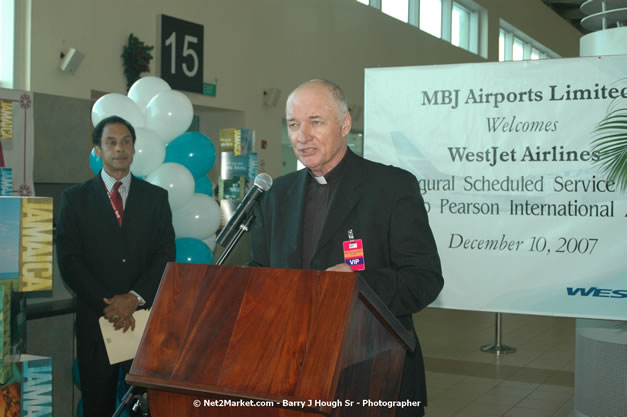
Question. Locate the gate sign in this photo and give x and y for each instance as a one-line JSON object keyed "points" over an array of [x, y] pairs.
{"points": [[523, 169], [182, 54]]}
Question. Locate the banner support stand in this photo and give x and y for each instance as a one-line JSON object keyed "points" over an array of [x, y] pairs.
{"points": [[498, 347]]}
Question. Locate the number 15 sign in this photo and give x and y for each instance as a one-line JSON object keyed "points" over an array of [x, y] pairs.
{"points": [[182, 54]]}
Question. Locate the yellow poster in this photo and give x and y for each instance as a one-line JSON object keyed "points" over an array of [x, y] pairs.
{"points": [[6, 119], [36, 244]]}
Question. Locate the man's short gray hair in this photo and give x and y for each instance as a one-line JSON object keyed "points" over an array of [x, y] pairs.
{"points": [[336, 92]]}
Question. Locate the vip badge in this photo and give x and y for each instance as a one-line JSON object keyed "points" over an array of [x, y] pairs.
{"points": [[354, 253]]}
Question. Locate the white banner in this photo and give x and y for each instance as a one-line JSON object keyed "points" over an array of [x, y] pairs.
{"points": [[16, 143], [510, 157]]}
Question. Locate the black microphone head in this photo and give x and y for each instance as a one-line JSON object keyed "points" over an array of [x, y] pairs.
{"points": [[263, 181]]}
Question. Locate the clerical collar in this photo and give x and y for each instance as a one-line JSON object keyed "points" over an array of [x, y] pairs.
{"points": [[335, 173], [320, 180]]}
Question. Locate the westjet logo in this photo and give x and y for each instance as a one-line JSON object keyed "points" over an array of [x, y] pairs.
{"points": [[596, 292]]}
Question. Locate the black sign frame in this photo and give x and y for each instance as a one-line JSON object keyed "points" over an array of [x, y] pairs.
{"points": [[182, 58]]}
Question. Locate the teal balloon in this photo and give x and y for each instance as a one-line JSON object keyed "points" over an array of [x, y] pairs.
{"points": [[194, 151], [120, 391], [95, 163], [192, 251], [203, 185], [79, 408], [75, 374]]}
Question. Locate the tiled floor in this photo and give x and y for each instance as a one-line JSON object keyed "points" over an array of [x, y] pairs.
{"points": [[535, 381]]}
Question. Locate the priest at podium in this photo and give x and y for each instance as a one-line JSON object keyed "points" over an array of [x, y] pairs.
{"points": [[346, 213]]}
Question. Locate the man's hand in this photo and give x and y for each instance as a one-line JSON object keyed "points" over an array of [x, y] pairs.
{"points": [[340, 268], [119, 311]]}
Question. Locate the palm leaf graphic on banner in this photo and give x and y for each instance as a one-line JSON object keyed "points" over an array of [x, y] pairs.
{"points": [[610, 141]]}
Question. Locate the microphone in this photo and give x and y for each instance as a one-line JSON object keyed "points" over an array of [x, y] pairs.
{"points": [[262, 183]]}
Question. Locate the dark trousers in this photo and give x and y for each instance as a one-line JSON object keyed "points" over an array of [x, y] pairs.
{"points": [[413, 384], [98, 378]]}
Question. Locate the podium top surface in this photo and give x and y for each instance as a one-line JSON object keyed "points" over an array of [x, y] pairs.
{"points": [[261, 333]]}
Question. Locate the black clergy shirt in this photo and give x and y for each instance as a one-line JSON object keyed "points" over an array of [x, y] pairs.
{"points": [[318, 196]]}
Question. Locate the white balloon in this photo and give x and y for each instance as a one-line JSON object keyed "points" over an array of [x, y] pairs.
{"points": [[211, 242], [116, 104], [145, 89], [169, 113], [149, 152], [177, 180], [200, 218]]}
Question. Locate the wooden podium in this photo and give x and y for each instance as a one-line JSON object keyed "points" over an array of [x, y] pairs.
{"points": [[306, 342]]}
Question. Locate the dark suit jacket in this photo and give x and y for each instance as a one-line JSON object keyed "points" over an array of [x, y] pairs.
{"points": [[384, 208], [99, 259]]}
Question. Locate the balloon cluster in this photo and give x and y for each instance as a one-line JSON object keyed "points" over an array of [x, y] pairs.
{"points": [[169, 157]]}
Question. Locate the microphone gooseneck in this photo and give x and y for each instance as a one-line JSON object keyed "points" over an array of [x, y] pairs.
{"points": [[262, 183]]}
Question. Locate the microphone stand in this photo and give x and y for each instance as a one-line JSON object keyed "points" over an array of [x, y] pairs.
{"points": [[240, 231], [125, 401]]}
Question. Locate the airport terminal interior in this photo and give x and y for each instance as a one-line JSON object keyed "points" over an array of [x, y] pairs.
{"points": [[463, 381], [255, 53]]}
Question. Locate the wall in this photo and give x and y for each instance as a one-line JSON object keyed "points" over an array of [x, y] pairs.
{"points": [[62, 139], [251, 45]]}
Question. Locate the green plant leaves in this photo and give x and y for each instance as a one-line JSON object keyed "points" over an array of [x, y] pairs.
{"points": [[610, 141], [136, 59]]}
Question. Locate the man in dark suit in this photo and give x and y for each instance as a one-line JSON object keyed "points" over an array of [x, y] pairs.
{"points": [[114, 237], [306, 216]]}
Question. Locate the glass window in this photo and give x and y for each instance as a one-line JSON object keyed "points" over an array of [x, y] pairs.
{"points": [[396, 8], [6, 43], [431, 17], [518, 50], [456, 21], [460, 26], [515, 45], [501, 45], [535, 54]]}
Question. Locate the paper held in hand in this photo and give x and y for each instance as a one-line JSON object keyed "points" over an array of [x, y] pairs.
{"points": [[122, 346]]}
